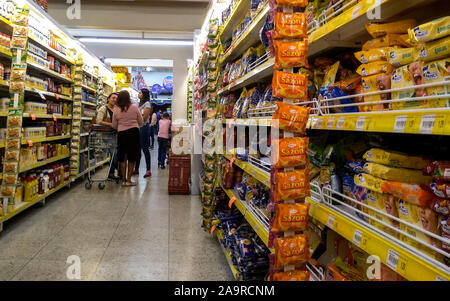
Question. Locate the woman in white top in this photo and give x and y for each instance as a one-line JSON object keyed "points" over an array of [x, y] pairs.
{"points": [[145, 107]]}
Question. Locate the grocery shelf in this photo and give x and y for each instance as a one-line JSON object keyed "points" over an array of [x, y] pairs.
{"points": [[248, 122], [89, 169], [49, 72], [58, 55], [45, 116], [51, 94], [247, 39], [236, 15], [42, 163], [45, 139], [84, 134], [89, 103], [259, 174], [234, 271], [5, 52], [89, 88], [405, 263], [25, 205], [86, 118], [262, 71]]}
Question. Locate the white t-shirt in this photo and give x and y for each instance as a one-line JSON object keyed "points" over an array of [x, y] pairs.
{"points": [[146, 105]]}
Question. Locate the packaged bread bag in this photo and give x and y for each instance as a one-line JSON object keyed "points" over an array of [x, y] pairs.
{"points": [[430, 31], [436, 72]]}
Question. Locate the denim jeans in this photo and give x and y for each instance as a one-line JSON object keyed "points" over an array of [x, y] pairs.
{"points": [[115, 164], [162, 149], [145, 145], [153, 132]]}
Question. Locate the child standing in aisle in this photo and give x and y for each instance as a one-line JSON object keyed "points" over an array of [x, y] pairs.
{"points": [[163, 139], [153, 127]]}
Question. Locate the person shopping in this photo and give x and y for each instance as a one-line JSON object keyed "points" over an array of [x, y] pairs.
{"points": [[163, 139], [127, 119], [153, 128], [144, 132], [104, 117]]}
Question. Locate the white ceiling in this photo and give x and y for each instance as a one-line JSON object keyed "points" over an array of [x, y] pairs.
{"points": [[140, 63]]}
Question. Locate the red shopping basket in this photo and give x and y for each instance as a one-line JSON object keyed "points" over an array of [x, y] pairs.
{"points": [[179, 174]]}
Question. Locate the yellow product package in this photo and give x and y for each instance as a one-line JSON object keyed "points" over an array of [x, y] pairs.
{"points": [[385, 203], [401, 56], [374, 68], [430, 31], [397, 174], [369, 182], [395, 159], [436, 72], [386, 41], [330, 75], [373, 83], [433, 50], [377, 30], [422, 217], [373, 55]]}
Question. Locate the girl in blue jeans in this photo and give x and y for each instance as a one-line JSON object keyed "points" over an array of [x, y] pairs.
{"points": [[163, 139], [144, 132]]}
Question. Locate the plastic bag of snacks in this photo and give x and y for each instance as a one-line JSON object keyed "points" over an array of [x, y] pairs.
{"points": [[441, 206], [389, 40], [290, 218], [430, 31], [373, 55], [289, 85], [291, 185], [385, 203], [291, 118], [440, 189], [295, 3], [397, 174], [374, 83], [395, 159], [432, 51], [377, 30], [439, 170], [411, 193], [290, 152], [370, 182], [290, 26], [290, 54], [295, 275], [436, 72], [374, 68], [291, 250]]}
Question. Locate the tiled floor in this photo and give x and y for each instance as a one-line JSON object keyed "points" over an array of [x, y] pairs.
{"points": [[138, 233]]}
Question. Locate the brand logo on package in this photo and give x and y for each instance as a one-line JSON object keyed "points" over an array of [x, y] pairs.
{"points": [[168, 83], [420, 34], [428, 74]]}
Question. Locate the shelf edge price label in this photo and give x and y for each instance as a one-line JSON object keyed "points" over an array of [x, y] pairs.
{"points": [[392, 259], [330, 123], [355, 12], [427, 124], [30, 143], [330, 222], [340, 123], [440, 278], [318, 124], [400, 123], [357, 237], [33, 116], [360, 123]]}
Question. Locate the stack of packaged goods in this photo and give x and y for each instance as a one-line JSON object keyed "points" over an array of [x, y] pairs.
{"points": [[208, 188]]}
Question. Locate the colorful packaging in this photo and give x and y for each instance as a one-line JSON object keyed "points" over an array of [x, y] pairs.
{"points": [[373, 83], [290, 26], [430, 31], [374, 68], [395, 159], [290, 54], [445, 232], [389, 40], [290, 152], [411, 193], [373, 55], [433, 50], [291, 250], [369, 182], [377, 30], [291, 185], [295, 3], [291, 117], [441, 206], [397, 174], [295, 275], [385, 203], [401, 56], [439, 170], [291, 218], [436, 72], [441, 190], [330, 75], [289, 85]]}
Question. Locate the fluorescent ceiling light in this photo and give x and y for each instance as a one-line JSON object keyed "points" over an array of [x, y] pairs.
{"points": [[138, 41]]}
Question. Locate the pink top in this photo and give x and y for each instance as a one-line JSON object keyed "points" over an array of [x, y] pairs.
{"points": [[164, 125], [132, 118]]}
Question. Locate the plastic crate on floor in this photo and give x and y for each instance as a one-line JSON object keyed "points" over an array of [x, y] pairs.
{"points": [[179, 174]]}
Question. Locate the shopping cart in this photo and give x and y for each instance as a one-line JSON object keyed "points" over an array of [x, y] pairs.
{"points": [[101, 141]]}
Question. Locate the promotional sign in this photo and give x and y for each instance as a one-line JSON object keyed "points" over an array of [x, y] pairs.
{"points": [[156, 89], [168, 83]]}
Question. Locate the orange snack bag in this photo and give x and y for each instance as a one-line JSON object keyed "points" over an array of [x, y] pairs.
{"points": [[296, 3], [289, 85], [292, 276], [290, 54], [410, 193], [291, 250], [290, 152], [291, 117], [290, 26], [291, 185], [291, 218]]}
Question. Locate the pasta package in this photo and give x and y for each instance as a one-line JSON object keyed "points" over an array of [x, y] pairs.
{"points": [[410, 193], [290, 54], [289, 85], [291, 117], [291, 250], [291, 185], [389, 40], [397, 174], [436, 72], [290, 152], [433, 50], [401, 56], [295, 3], [373, 55], [294, 275], [290, 26], [430, 31], [374, 68], [368, 181], [395, 159], [291, 218], [377, 30]]}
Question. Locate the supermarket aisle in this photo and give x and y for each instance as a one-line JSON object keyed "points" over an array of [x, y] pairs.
{"points": [[138, 233]]}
